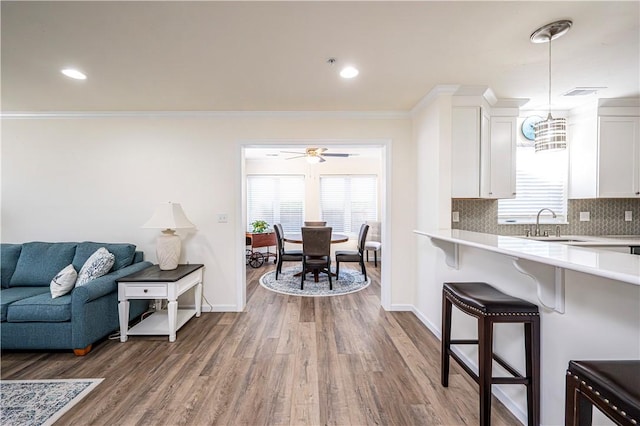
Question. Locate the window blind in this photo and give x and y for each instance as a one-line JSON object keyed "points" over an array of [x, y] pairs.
{"points": [[276, 199], [347, 201], [541, 181]]}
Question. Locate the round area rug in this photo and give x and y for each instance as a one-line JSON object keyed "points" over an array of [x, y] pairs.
{"points": [[350, 281]]}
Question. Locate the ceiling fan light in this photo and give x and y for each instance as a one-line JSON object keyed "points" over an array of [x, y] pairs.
{"points": [[313, 159], [550, 134]]}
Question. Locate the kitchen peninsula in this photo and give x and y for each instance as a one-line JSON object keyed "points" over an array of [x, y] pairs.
{"points": [[589, 302]]}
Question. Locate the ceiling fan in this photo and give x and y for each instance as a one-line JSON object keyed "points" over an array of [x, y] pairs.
{"points": [[316, 155]]}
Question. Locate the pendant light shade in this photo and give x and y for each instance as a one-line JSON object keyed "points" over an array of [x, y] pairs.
{"points": [[550, 134]]}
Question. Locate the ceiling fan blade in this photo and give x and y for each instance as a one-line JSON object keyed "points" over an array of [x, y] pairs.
{"points": [[330, 154], [299, 156], [322, 160], [293, 152]]}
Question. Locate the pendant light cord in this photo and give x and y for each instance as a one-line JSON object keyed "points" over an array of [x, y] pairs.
{"points": [[549, 77]]}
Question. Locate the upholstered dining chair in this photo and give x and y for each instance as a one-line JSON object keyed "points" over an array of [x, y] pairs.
{"points": [[373, 242], [316, 252], [314, 223], [354, 256], [284, 256]]}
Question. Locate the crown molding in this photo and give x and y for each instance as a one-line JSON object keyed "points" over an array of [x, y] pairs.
{"points": [[366, 115], [435, 93]]}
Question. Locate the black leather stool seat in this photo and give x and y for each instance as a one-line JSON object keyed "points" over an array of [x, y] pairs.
{"points": [[612, 386], [490, 306], [487, 300]]}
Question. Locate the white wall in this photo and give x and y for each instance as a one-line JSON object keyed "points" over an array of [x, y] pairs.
{"points": [[100, 177]]}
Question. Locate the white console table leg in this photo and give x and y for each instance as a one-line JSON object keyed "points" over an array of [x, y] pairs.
{"points": [[123, 312], [172, 311], [198, 299]]}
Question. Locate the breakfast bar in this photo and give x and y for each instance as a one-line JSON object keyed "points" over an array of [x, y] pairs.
{"points": [[589, 299]]}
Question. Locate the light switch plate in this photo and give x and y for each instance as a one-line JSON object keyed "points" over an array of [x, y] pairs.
{"points": [[455, 216], [223, 218], [585, 216], [628, 216]]}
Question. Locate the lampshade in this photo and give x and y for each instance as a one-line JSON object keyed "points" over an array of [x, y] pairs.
{"points": [[550, 134], [169, 216]]}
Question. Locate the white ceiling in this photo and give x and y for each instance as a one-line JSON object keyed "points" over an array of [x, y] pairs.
{"points": [[271, 56]]}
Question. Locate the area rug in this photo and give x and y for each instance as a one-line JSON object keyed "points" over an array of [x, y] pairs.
{"points": [[350, 281], [40, 402]]}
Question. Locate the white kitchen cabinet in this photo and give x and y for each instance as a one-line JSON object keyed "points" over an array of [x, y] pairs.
{"points": [[483, 154], [618, 171]]}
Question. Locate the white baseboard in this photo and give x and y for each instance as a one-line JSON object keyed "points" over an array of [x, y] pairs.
{"points": [[213, 308]]}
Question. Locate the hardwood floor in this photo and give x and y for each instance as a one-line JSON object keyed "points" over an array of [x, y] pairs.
{"points": [[285, 360]]}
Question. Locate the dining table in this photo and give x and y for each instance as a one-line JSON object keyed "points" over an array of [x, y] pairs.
{"points": [[296, 238]]}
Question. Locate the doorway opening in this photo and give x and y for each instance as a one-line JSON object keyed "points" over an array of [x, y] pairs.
{"points": [[281, 159]]}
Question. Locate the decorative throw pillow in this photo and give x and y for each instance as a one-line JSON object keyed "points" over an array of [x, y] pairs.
{"points": [[97, 265], [63, 282]]}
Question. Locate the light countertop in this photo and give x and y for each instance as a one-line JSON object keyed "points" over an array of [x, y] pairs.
{"points": [[586, 257]]}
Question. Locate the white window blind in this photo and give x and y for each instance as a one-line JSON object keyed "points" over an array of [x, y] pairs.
{"points": [[347, 201], [541, 181], [276, 199]]}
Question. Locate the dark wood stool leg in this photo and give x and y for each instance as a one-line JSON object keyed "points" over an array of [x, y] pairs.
{"points": [[578, 410], [485, 362], [532, 354], [446, 341]]}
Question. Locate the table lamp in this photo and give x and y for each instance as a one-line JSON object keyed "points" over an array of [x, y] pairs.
{"points": [[168, 217]]}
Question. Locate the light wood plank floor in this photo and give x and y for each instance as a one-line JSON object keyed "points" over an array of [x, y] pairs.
{"points": [[284, 361]]}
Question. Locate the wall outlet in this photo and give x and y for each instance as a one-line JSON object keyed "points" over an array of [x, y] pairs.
{"points": [[223, 218], [585, 216], [628, 216], [455, 216]]}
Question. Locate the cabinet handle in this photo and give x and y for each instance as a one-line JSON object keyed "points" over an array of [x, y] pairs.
{"points": [[145, 290], [638, 193]]}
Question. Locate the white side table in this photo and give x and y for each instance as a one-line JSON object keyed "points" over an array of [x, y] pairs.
{"points": [[154, 283]]}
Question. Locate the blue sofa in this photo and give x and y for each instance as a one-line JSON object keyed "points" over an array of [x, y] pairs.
{"points": [[32, 319]]}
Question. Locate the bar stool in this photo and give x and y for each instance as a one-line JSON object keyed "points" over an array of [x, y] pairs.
{"points": [[611, 386], [490, 306]]}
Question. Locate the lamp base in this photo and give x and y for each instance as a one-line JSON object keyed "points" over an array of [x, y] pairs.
{"points": [[168, 250]]}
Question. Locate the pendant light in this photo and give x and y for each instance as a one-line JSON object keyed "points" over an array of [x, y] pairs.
{"points": [[550, 134]]}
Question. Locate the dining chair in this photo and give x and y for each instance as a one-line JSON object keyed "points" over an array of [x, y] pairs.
{"points": [[283, 255], [373, 242], [354, 256], [315, 223], [316, 250]]}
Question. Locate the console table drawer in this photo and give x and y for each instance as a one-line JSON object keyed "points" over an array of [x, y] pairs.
{"points": [[146, 291]]}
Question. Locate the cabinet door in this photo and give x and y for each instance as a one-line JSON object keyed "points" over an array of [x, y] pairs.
{"points": [[465, 152], [619, 157], [498, 177]]}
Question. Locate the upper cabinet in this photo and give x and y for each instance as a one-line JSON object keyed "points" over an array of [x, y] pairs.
{"points": [[604, 151], [483, 141], [619, 157]]}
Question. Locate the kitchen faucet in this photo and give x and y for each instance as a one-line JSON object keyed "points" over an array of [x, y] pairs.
{"points": [[537, 231]]}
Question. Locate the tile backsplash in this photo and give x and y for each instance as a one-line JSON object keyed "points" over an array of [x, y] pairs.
{"points": [[607, 217]]}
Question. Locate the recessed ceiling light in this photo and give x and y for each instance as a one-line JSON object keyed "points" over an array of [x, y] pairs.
{"points": [[349, 72], [75, 74]]}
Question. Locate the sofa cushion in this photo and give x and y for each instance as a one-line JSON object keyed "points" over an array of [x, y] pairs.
{"points": [[123, 252], [97, 265], [40, 308], [63, 282], [11, 295], [39, 262], [9, 254]]}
